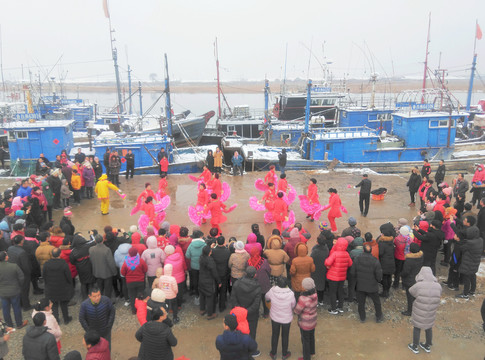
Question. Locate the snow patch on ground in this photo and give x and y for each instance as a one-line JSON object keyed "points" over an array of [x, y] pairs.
{"points": [[463, 154], [481, 269]]}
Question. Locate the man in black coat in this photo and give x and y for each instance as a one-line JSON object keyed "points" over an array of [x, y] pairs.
{"points": [[413, 184], [17, 255], [460, 186], [37, 342], [130, 164], [430, 243], [79, 257], [106, 161], [412, 266], [58, 285], [221, 254], [481, 220], [246, 293], [364, 195], [440, 173], [282, 158], [55, 185], [367, 271], [470, 261], [156, 338]]}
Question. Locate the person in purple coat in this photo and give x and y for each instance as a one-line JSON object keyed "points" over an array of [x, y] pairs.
{"points": [[88, 175]]}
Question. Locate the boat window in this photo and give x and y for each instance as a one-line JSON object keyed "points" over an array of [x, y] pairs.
{"points": [[285, 137], [107, 121], [328, 102], [315, 102], [372, 117], [22, 135], [11, 135], [231, 128], [328, 146], [441, 123]]}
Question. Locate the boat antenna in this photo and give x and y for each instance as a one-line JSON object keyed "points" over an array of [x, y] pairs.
{"points": [[114, 53], [284, 75], [478, 36], [216, 54], [309, 60], [129, 82], [426, 59], [168, 105]]}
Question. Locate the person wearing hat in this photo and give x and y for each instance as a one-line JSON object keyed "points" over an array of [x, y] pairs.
{"points": [[412, 265], [364, 194], [238, 262], [66, 223], [367, 272], [352, 230], [439, 177], [134, 269], [102, 191], [232, 344], [306, 309], [246, 293], [401, 248]]}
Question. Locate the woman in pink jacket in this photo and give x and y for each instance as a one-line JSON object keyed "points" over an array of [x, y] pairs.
{"points": [[154, 257], [252, 243], [170, 287], [177, 260], [337, 264]]}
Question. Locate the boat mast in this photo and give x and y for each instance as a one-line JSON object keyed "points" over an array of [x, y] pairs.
{"points": [[219, 115], [168, 106], [266, 122], [114, 53], [426, 60], [1, 64], [139, 97], [129, 90], [307, 108], [478, 35]]}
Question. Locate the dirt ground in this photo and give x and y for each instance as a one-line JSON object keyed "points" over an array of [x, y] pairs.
{"points": [[457, 333]]}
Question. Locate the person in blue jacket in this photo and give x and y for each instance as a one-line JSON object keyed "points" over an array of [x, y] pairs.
{"points": [[237, 161], [233, 344]]}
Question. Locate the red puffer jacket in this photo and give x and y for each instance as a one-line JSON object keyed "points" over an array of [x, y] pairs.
{"points": [[339, 261]]}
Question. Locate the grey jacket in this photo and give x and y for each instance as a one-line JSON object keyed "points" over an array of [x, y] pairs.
{"points": [[11, 279], [427, 294], [102, 261]]}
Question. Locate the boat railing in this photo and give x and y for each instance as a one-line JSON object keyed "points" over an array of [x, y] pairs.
{"points": [[130, 140], [345, 132]]}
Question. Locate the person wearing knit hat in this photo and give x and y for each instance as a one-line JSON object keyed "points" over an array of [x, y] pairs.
{"points": [[169, 250], [411, 267], [352, 230], [246, 292], [233, 344], [306, 309], [134, 269]]}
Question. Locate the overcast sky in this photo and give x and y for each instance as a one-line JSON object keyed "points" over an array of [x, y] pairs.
{"points": [[252, 37]]}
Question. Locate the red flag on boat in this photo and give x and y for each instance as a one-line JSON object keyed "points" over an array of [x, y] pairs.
{"points": [[105, 8], [479, 32]]}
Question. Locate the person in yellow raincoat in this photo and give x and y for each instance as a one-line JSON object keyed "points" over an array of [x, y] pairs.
{"points": [[102, 190]]}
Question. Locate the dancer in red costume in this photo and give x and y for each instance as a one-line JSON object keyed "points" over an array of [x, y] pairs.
{"points": [[206, 175], [216, 186], [312, 195], [270, 176], [202, 195], [216, 207], [145, 194], [149, 209], [334, 205], [280, 211], [162, 186], [269, 197], [282, 184], [164, 166]]}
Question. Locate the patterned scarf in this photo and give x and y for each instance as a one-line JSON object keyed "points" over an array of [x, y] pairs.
{"points": [[132, 261]]}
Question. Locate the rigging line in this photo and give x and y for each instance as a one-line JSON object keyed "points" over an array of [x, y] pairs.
{"points": [[69, 63], [480, 78]]}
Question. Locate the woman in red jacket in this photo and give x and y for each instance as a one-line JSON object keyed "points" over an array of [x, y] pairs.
{"points": [[133, 270], [335, 205], [337, 264], [280, 211], [206, 175], [164, 165], [269, 197], [216, 207], [216, 186]]}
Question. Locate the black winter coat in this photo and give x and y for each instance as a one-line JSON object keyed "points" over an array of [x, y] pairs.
{"points": [[386, 254], [30, 246], [38, 344], [221, 255], [246, 293], [412, 266], [130, 160], [414, 182], [79, 257], [234, 345], [208, 276], [67, 226], [17, 255], [58, 281], [440, 174], [319, 255], [156, 340], [430, 244], [367, 271], [471, 252]]}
